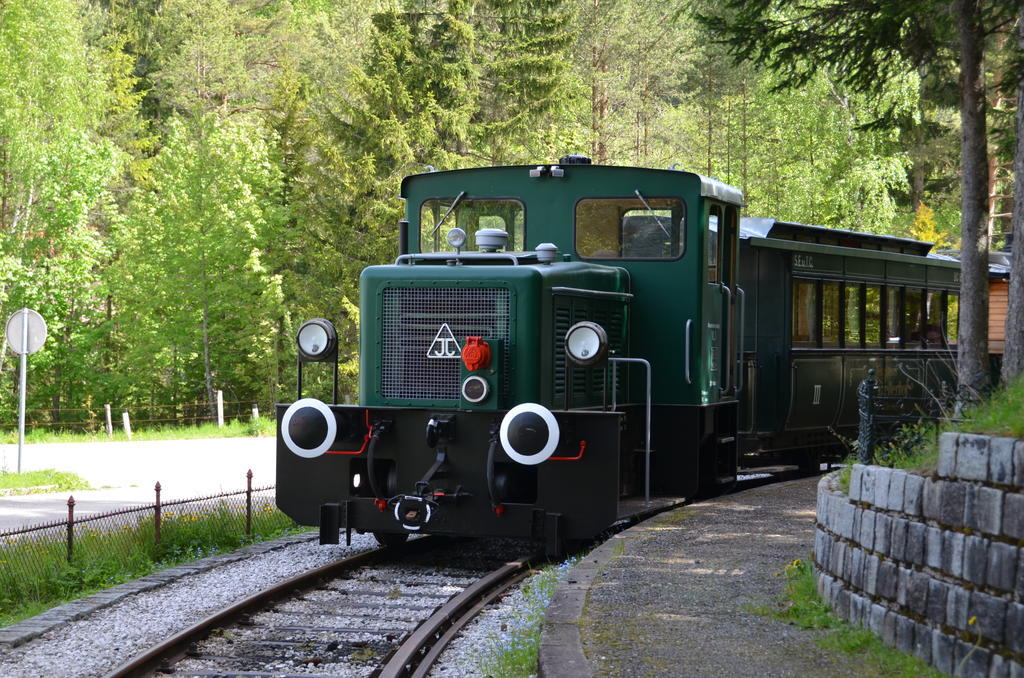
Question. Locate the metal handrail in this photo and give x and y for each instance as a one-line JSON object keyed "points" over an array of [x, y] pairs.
{"points": [[647, 436], [459, 256], [742, 329], [728, 362], [689, 325]]}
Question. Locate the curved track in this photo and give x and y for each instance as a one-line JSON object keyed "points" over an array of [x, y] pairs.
{"points": [[385, 612]]}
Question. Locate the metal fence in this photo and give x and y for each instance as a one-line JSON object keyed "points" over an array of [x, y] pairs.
{"points": [[144, 415], [880, 417], [164, 531]]}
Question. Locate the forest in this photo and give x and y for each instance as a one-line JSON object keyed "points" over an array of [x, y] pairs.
{"points": [[183, 183]]}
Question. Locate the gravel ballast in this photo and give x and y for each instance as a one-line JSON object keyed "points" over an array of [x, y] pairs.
{"points": [[97, 642], [93, 635]]}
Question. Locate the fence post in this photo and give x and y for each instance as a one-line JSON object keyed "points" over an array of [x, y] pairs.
{"points": [[255, 413], [110, 422], [71, 527], [127, 424], [248, 503], [220, 408], [157, 516], [866, 412]]}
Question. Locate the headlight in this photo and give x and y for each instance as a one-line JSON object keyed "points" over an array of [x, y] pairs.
{"points": [[308, 428], [586, 343], [456, 238], [529, 433], [317, 340]]}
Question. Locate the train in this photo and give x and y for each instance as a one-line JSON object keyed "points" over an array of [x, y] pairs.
{"points": [[563, 346]]}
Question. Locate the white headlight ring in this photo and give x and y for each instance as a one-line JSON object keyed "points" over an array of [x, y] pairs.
{"points": [[530, 458], [325, 411]]}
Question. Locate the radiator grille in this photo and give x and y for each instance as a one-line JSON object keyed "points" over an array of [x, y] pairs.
{"points": [[411, 320]]}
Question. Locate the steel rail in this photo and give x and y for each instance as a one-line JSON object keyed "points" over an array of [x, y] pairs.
{"points": [[414, 657], [174, 648]]}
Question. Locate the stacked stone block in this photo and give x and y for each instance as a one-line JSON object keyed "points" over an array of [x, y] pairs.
{"points": [[933, 565]]}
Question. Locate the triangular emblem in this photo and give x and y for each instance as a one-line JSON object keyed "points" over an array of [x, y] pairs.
{"points": [[444, 344]]}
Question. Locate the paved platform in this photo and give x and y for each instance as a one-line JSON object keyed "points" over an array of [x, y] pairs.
{"points": [[124, 473], [676, 595]]}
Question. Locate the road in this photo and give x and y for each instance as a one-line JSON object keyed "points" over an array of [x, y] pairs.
{"points": [[124, 473]]}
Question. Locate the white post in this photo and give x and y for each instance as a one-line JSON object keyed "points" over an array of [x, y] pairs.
{"points": [[24, 371], [220, 408], [255, 413], [110, 423], [127, 424]]}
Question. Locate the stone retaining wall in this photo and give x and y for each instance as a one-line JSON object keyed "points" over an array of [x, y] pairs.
{"points": [[934, 565]]}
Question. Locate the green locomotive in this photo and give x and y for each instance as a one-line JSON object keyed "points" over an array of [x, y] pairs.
{"points": [[561, 346]]}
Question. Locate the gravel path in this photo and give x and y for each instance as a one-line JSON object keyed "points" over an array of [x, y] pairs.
{"points": [[677, 597]]}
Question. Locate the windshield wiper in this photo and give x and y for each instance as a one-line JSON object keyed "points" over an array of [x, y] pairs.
{"points": [[440, 221], [657, 219]]}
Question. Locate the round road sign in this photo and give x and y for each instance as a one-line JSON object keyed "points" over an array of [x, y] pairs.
{"points": [[16, 337]]}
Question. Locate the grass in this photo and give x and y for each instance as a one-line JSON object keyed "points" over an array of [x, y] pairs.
{"points": [[34, 482], [802, 606], [264, 426], [35, 573], [513, 652], [999, 415]]}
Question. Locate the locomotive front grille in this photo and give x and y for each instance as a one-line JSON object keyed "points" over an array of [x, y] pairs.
{"points": [[413, 317]]}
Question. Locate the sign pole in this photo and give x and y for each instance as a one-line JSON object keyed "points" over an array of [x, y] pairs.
{"points": [[24, 340], [24, 371]]}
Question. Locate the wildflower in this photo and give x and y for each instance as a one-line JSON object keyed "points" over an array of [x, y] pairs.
{"points": [[970, 622]]}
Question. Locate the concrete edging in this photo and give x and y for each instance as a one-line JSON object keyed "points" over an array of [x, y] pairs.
{"points": [[561, 649]]}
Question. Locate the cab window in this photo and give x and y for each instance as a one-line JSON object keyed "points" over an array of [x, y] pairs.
{"points": [[471, 215], [630, 228]]}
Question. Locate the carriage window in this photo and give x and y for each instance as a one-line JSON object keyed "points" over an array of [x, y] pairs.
{"points": [[805, 313], [892, 317], [853, 312], [952, 316], [471, 215], [933, 320], [912, 330], [714, 217], [830, 314], [872, 315], [630, 228]]}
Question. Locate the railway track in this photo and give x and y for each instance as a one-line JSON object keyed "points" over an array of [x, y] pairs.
{"points": [[382, 613]]}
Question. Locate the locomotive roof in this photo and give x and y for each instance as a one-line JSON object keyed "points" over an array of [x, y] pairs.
{"points": [[709, 186]]}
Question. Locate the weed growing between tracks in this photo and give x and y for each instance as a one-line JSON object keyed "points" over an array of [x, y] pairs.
{"points": [[802, 606], [512, 653], [35, 574]]}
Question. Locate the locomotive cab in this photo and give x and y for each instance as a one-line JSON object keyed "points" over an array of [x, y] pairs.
{"points": [[511, 382]]}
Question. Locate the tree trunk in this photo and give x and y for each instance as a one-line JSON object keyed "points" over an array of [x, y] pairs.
{"points": [[1013, 355], [972, 363], [207, 367]]}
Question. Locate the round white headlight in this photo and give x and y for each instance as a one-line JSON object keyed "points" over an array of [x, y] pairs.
{"points": [[308, 428], [586, 343], [529, 433], [317, 340], [456, 238]]}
